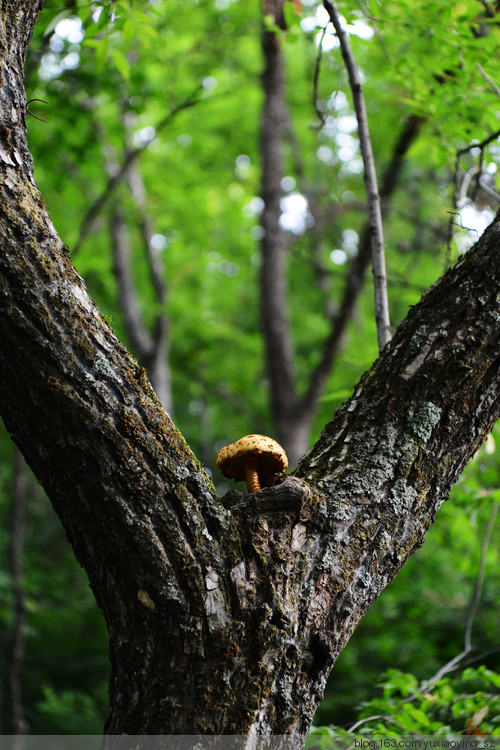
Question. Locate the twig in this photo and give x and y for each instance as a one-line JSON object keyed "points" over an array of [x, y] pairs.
{"points": [[486, 77], [373, 198], [482, 656], [458, 191], [317, 69], [478, 587], [488, 190], [385, 717], [481, 145], [32, 113]]}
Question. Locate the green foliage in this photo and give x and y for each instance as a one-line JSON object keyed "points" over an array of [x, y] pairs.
{"points": [[69, 713], [466, 704]]}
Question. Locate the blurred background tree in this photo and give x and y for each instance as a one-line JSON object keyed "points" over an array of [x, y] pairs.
{"points": [[150, 160]]}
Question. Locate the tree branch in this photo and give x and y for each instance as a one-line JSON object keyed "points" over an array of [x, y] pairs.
{"points": [[373, 198], [139, 336], [130, 157], [460, 191], [357, 270], [151, 348], [317, 69], [411, 423], [486, 77]]}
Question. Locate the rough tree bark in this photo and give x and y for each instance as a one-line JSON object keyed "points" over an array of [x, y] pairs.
{"points": [[226, 616]]}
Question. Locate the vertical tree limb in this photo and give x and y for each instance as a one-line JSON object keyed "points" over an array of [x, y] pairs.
{"points": [[150, 348], [158, 366], [274, 244], [137, 331], [373, 198]]}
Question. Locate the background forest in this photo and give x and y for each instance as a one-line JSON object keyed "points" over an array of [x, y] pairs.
{"points": [[145, 134]]}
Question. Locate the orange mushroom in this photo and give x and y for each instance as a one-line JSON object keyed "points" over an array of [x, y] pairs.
{"points": [[252, 458]]}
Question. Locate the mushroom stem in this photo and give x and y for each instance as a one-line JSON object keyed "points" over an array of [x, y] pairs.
{"points": [[251, 475]]}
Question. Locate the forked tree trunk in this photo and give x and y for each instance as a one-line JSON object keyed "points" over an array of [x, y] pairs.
{"points": [[226, 616]]}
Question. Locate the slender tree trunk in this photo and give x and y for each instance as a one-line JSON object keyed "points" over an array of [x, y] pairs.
{"points": [[225, 616], [150, 347], [370, 176], [274, 244]]}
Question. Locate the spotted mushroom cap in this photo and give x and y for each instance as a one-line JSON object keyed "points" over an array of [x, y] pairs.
{"points": [[272, 458]]}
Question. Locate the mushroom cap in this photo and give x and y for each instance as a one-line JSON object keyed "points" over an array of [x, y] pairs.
{"points": [[271, 458]]}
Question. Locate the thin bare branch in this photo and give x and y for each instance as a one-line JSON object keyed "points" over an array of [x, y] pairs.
{"points": [[481, 145], [460, 191], [317, 69], [158, 363], [140, 337], [384, 717], [373, 198], [156, 267], [488, 190], [458, 660], [486, 77]]}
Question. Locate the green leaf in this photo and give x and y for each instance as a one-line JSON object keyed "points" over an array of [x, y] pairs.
{"points": [[292, 18], [121, 62], [101, 53]]}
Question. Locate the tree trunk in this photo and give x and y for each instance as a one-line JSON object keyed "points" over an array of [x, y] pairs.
{"points": [[274, 243], [226, 616]]}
